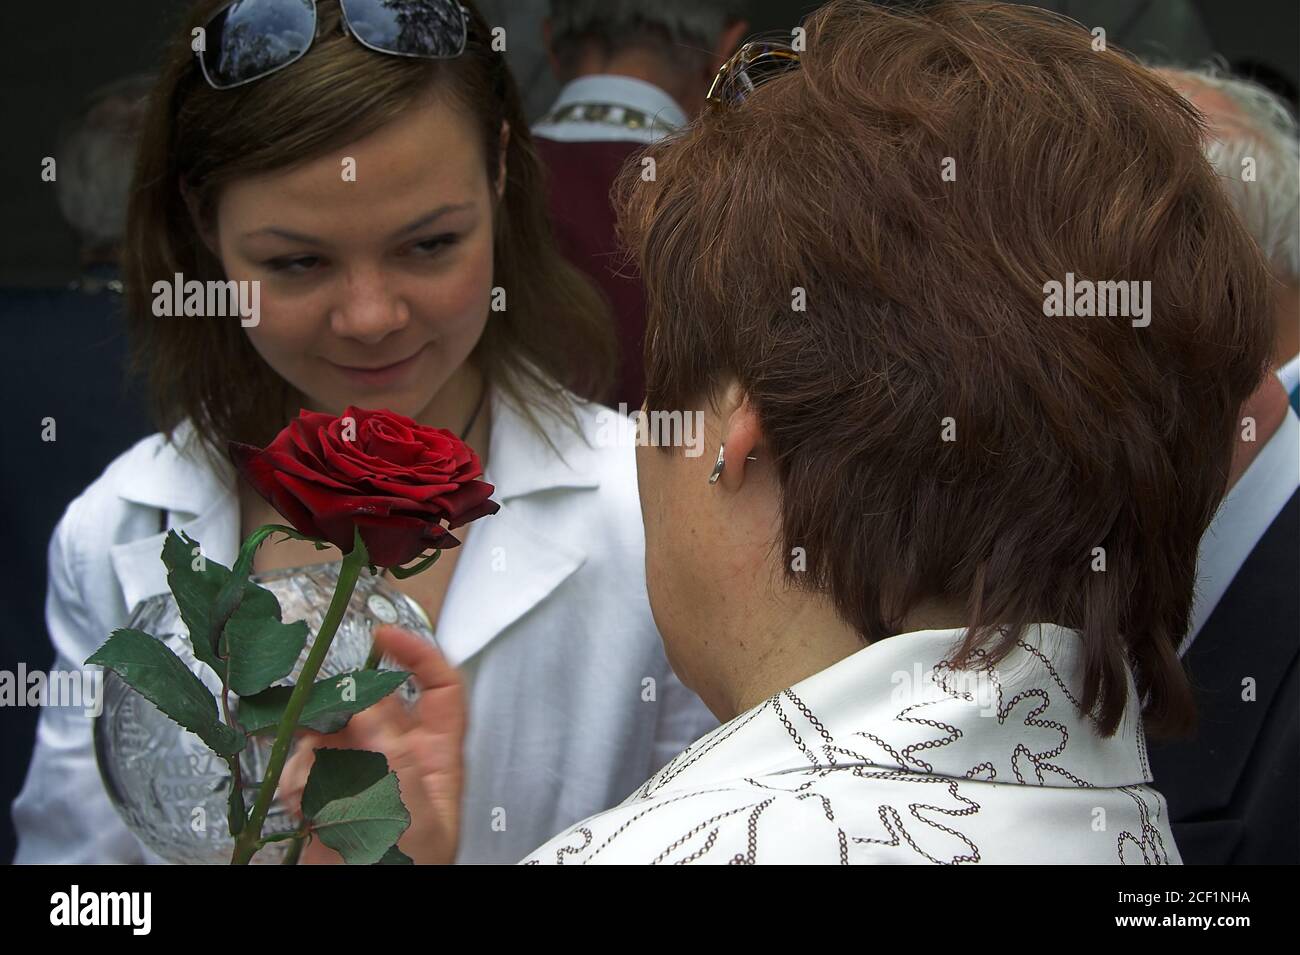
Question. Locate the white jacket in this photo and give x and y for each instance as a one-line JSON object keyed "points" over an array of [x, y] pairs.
{"points": [[546, 615], [890, 756]]}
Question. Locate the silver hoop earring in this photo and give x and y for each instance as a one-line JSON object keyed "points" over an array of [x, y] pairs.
{"points": [[721, 463]]}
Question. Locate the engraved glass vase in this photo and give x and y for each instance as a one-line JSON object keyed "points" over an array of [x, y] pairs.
{"points": [[170, 789]]}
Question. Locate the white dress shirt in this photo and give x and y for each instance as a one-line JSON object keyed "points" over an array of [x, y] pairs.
{"points": [[1289, 375], [622, 94], [891, 756], [571, 700], [1245, 514]]}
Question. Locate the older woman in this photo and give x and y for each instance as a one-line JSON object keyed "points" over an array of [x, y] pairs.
{"points": [[970, 324]]}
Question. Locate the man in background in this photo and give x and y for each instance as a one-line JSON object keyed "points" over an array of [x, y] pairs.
{"points": [[93, 184], [1253, 144], [1231, 789], [632, 71]]}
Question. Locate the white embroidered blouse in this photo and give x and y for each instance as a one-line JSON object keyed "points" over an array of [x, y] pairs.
{"points": [[893, 756]]}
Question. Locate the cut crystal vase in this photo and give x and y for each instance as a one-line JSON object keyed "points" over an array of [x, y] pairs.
{"points": [[170, 789]]}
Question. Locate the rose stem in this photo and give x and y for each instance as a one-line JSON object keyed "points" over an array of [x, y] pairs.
{"points": [[294, 851], [248, 841]]}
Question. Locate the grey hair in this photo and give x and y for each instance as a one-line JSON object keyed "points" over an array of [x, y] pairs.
{"points": [[681, 30], [96, 159], [1261, 128]]}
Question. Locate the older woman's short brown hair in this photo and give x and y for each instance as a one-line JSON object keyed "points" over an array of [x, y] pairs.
{"points": [[920, 181]]}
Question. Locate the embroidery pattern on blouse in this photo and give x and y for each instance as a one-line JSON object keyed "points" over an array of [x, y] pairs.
{"points": [[930, 822]]}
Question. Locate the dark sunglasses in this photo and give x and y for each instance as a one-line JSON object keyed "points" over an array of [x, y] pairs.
{"points": [[249, 39], [752, 65]]}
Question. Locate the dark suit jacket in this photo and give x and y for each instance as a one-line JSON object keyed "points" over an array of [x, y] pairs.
{"points": [[1234, 790], [581, 176]]}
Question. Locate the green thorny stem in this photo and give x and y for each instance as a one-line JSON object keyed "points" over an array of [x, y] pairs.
{"points": [[249, 839]]}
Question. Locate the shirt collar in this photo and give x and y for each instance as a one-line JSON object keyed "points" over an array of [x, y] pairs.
{"points": [[1289, 375], [625, 91], [1242, 518], [175, 475], [898, 704], [204, 504], [520, 460]]}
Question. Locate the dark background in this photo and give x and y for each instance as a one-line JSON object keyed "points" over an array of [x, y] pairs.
{"points": [[57, 53]]}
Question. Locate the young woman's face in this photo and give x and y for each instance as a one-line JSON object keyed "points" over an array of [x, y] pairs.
{"points": [[375, 262]]}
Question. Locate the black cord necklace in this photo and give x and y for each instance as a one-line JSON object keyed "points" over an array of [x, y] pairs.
{"points": [[469, 425]]}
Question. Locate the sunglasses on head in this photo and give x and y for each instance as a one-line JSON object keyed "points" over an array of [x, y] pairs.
{"points": [[249, 39], [752, 65]]}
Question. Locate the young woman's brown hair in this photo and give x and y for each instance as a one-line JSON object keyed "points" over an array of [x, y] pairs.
{"points": [[920, 179], [554, 331]]}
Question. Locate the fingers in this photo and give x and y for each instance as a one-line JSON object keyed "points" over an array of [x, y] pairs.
{"points": [[382, 728], [421, 658], [442, 695], [441, 706]]}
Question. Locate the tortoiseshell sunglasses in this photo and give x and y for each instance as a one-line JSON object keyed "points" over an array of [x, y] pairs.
{"points": [[749, 67]]}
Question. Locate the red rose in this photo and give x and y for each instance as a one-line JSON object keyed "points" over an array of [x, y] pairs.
{"points": [[396, 480]]}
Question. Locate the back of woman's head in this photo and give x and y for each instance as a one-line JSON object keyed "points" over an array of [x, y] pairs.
{"points": [[920, 182], [554, 328]]}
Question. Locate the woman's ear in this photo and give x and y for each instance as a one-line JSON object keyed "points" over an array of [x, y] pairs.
{"points": [[743, 437], [503, 149], [196, 217]]}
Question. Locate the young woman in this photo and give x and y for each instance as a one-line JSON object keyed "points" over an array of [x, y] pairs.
{"points": [[371, 170]]}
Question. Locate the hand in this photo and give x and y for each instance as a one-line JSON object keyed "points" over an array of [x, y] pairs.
{"points": [[422, 744]]}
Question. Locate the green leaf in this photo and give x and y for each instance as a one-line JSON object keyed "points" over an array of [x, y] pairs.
{"points": [[261, 649], [352, 803], [363, 828], [340, 772], [395, 856], [197, 592], [326, 710], [150, 668], [234, 590]]}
